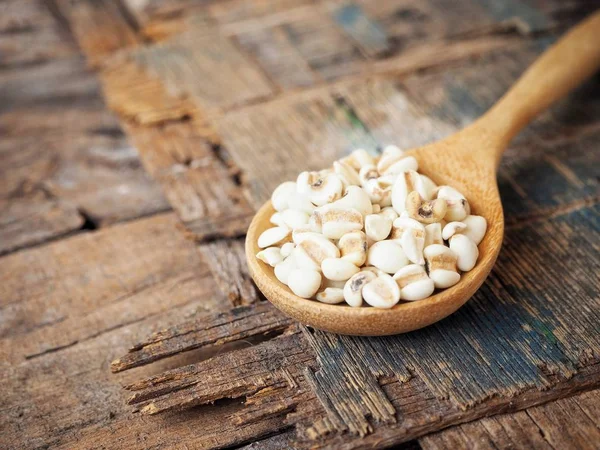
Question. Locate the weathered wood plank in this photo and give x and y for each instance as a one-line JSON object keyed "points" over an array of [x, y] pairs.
{"points": [[159, 20], [235, 11], [71, 150], [201, 427], [569, 423], [209, 329], [69, 399], [431, 55], [158, 10], [522, 301], [446, 99], [139, 97], [206, 67], [69, 145], [538, 173], [34, 219], [351, 364], [368, 33], [59, 83], [568, 172], [198, 185], [393, 115], [275, 364], [288, 440], [406, 23], [101, 27], [56, 375], [29, 36], [60, 287], [276, 442], [392, 28], [461, 98], [324, 46], [274, 50], [420, 413], [380, 112], [107, 181], [70, 307], [223, 12], [177, 146], [227, 262], [289, 45], [509, 346], [272, 142]]}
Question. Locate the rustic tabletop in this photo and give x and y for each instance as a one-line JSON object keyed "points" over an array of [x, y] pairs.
{"points": [[138, 137]]}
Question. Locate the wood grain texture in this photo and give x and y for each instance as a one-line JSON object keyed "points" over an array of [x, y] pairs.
{"points": [[368, 33], [417, 408], [582, 320], [30, 36], [205, 67], [209, 329], [274, 49], [419, 413], [139, 97], [371, 114], [101, 27], [259, 368], [355, 410], [34, 219], [198, 185], [180, 155], [42, 286], [227, 262], [64, 318], [422, 109], [569, 423], [76, 304], [66, 164], [529, 345], [323, 129]]}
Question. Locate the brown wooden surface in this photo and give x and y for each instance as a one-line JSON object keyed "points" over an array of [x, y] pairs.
{"points": [[139, 137]]}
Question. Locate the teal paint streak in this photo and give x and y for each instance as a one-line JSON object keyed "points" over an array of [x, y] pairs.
{"points": [[358, 134], [543, 329]]}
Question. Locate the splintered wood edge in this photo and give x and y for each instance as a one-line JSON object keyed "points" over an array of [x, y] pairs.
{"points": [[205, 331], [368, 321]]}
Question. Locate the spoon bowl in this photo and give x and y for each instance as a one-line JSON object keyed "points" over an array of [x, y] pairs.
{"points": [[467, 161], [405, 316]]}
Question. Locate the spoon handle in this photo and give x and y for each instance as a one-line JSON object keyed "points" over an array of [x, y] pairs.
{"points": [[561, 68]]}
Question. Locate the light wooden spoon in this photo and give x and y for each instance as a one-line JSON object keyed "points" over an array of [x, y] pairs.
{"points": [[467, 161]]}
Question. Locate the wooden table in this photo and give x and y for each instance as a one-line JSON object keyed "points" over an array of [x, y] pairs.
{"points": [[137, 138]]}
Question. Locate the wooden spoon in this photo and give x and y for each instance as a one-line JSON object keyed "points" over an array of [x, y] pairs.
{"points": [[468, 161]]}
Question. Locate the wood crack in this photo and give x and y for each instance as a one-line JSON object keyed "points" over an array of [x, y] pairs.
{"points": [[210, 329], [540, 429], [88, 338]]}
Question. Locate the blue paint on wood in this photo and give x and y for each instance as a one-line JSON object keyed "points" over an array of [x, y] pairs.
{"points": [[367, 32], [526, 321]]}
